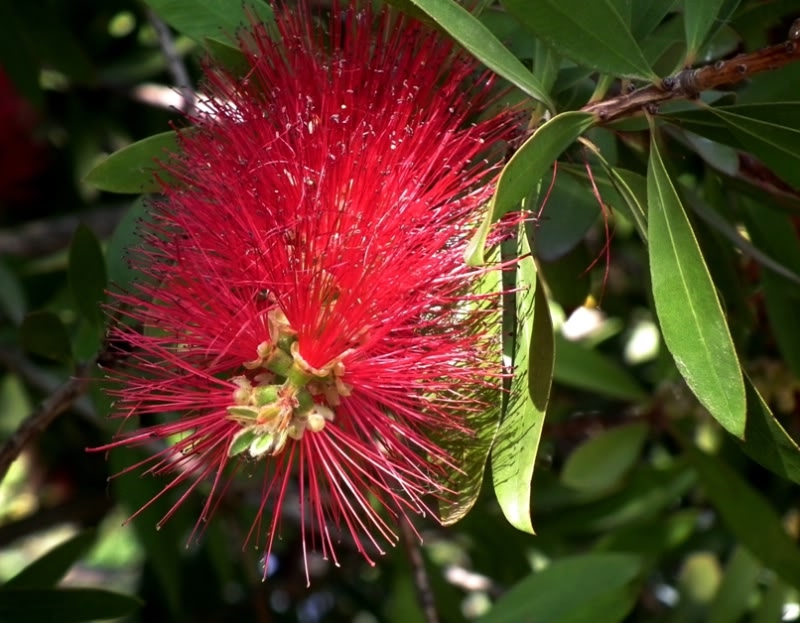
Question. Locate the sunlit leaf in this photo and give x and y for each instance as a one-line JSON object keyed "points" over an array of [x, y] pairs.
{"points": [[131, 169], [517, 443], [483, 45], [526, 168], [202, 19], [688, 308]]}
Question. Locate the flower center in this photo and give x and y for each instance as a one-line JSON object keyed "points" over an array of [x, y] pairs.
{"points": [[282, 396]]}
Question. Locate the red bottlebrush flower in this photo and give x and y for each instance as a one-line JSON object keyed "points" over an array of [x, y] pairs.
{"points": [[307, 307], [21, 155]]}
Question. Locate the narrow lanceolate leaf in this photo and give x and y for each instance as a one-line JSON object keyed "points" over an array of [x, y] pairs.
{"points": [[52, 566], [130, 170], [749, 515], [632, 187], [483, 45], [767, 130], [202, 19], [588, 588], [526, 168], [587, 369], [774, 232], [766, 441], [66, 605], [44, 334], [87, 274], [471, 457], [599, 463], [689, 312], [582, 31], [514, 452], [698, 18]]}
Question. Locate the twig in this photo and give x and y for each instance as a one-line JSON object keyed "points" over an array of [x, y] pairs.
{"points": [[689, 83], [47, 236], [53, 406], [174, 61], [422, 583]]}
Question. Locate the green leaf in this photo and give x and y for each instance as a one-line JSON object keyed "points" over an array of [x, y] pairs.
{"points": [[766, 441], [770, 131], [145, 497], [483, 45], [517, 442], [12, 298], [125, 237], [733, 598], [601, 462], [47, 570], [65, 605], [525, 169], [775, 232], [648, 493], [471, 455], [646, 15], [580, 30], [688, 309], [87, 274], [567, 212], [698, 18], [19, 56], [213, 19], [228, 55], [45, 335], [632, 187], [131, 169], [773, 603], [589, 370], [749, 516], [652, 539], [573, 589]]}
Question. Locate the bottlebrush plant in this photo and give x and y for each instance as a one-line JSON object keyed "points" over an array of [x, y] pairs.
{"points": [[303, 307], [374, 247]]}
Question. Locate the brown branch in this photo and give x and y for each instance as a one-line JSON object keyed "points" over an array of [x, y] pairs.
{"points": [[47, 412], [689, 83]]}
